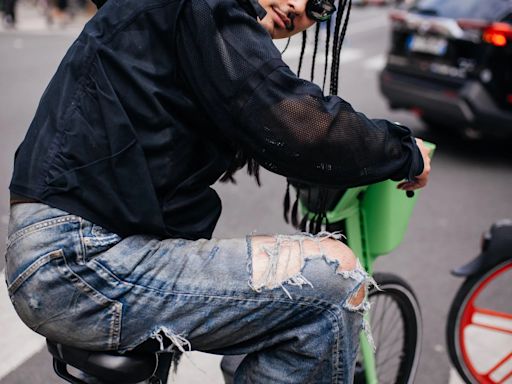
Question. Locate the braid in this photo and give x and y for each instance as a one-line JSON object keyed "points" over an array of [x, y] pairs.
{"points": [[302, 50], [340, 44], [336, 49], [335, 60], [313, 60], [327, 42]]}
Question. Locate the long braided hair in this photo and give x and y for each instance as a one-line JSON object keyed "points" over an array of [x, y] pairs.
{"points": [[331, 49], [332, 52]]}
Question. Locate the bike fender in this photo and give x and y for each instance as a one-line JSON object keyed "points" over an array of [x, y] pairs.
{"points": [[497, 246]]}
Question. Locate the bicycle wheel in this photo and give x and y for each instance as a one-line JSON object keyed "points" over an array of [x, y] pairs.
{"points": [[479, 328], [395, 318]]}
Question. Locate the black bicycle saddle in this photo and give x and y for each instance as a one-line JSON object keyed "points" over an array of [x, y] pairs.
{"points": [[106, 367]]}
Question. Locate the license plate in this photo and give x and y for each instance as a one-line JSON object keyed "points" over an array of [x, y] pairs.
{"points": [[427, 44]]}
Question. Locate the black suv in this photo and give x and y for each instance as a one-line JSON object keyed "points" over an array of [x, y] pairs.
{"points": [[450, 62]]}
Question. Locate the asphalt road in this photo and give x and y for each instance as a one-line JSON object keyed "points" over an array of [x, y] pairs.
{"points": [[470, 188]]}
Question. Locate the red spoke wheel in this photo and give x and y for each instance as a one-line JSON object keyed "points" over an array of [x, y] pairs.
{"points": [[479, 329]]}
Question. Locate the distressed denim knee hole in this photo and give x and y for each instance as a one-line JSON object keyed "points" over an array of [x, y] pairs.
{"points": [[276, 261], [356, 299]]}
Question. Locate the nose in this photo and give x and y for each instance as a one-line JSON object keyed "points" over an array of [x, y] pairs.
{"points": [[298, 6]]}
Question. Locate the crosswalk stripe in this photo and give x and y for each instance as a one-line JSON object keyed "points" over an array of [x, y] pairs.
{"points": [[18, 342]]}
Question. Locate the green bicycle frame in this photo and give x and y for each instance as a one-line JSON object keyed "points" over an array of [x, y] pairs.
{"points": [[376, 218]]}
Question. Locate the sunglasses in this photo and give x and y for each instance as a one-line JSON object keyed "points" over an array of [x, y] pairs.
{"points": [[320, 10]]}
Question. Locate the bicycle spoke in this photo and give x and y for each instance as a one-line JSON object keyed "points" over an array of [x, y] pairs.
{"points": [[490, 312], [493, 320], [379, 324], [387, 369], [499, 377], [386, 347], [497, 329], [392, 324]]}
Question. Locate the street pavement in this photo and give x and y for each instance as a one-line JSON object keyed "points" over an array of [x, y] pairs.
{"points": [[22, 350]]}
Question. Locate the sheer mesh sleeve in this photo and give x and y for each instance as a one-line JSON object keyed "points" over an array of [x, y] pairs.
{"points": [[286, 123]]}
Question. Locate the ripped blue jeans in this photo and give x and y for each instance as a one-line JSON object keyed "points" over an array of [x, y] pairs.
{"points": [[76, 283]]}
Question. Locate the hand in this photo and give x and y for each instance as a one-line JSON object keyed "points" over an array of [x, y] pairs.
{"points": [[421, 180]]}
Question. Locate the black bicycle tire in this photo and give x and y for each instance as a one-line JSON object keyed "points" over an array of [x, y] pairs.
{"points": [[456, 309], [401, 292]]}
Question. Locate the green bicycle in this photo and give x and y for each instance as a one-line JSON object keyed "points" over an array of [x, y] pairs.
{"points": [[374, 219]]}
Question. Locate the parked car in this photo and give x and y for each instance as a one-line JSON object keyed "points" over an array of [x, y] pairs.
{"points": [[450, 61], [359, 3], [380, 2]]}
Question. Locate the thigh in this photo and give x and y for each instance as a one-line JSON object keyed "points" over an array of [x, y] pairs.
{"points": [[201, 294]]}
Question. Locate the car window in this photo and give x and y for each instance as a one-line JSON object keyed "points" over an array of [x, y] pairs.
{"points": [[465, 9]]}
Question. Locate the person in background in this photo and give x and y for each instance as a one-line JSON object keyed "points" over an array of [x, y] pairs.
{"points": [[9, 16]]}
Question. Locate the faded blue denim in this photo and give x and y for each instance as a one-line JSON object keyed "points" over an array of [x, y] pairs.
{"points": [[76, 283]]}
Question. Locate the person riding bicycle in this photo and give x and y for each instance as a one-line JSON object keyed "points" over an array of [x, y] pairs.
{"points": [[112, 212]]}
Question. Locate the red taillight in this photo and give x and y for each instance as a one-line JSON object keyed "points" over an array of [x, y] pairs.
{"points": [[498, 34], [509, 98]]}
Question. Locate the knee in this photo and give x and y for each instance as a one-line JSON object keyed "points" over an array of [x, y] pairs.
{"points": [[351, 284], [335, 251], [285, 258]]}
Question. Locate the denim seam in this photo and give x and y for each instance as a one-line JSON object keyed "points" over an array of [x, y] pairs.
{"points": [[32, 268], [248, 240], [335, 362], [115, 307], [339, 366], [38, 226], [115, 329]]}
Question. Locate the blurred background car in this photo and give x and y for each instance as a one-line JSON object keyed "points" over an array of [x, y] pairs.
{"points": [[450, 62], [359, 2], [382, 2]]}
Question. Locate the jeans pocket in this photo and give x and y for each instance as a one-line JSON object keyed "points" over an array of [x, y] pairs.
{"points": [[98, 240], [55, 302]]}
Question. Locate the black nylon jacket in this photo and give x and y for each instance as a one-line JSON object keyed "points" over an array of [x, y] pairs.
{"points": [[151, 102]]}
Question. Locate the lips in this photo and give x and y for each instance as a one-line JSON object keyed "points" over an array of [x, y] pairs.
{"points": [[282, 19]]}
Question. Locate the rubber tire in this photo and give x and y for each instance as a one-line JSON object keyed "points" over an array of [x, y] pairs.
{"points": [[403, 295], [456, 310]]}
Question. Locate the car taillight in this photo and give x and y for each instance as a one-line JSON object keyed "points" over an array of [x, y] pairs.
{"points": [[509, 98], [498, 34]]}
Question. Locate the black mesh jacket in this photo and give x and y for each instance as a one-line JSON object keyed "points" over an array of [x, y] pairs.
{"points": [[154, 98]]}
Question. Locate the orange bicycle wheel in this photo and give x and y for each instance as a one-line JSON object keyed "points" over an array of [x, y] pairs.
{"points": [[479, 328]]}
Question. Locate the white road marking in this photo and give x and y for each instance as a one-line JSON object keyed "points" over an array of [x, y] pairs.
{"points": [[19, 343]]}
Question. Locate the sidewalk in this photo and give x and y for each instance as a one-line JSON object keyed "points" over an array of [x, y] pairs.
{"points": [[31, 19]]}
